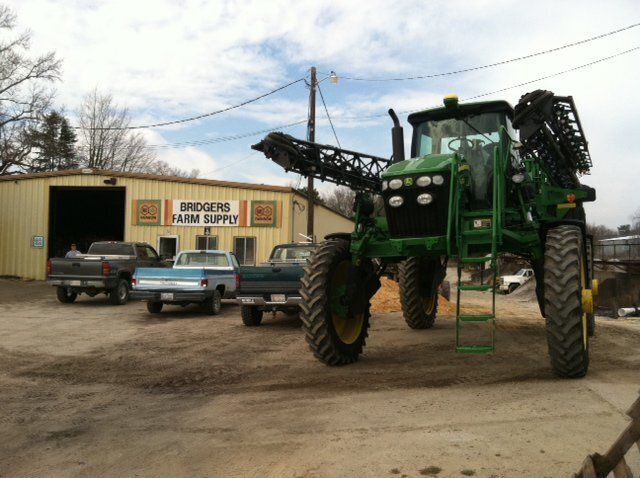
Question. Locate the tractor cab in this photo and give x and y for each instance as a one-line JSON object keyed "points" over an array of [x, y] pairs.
{"points": [[471, 131]]}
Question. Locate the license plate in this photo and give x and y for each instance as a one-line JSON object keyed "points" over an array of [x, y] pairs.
{"points": [[166, 296], [75, 283], [278, 298]]}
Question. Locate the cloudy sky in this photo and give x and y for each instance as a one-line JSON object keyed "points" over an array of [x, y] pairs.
{"points": [[167, 60]]}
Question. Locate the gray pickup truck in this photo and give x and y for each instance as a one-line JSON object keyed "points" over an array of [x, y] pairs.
{"points": [[107, 268], [274, 285]]}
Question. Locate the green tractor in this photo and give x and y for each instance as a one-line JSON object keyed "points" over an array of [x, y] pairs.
{"points": [[470, 192]]}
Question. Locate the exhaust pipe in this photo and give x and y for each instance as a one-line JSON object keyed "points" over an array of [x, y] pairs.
{"points": [[397, 138]]}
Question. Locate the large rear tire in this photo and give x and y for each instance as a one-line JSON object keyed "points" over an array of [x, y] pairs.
{"points": [[335, 333], [564, 280], [419, 280], [65, 295]]}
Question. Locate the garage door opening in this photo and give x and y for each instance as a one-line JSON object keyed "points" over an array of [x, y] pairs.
{"points": [[84, 215]]}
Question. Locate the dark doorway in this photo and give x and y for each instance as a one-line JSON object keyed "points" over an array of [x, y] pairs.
{"points": [[82, 215]]}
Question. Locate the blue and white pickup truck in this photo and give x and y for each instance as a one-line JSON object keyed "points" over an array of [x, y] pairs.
{"points": [[204, 277]]}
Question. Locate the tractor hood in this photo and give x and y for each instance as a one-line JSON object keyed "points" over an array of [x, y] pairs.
{"points": [[432, 163]]}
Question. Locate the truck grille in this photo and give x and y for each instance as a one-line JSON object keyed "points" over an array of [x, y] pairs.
{"points": [[413, 220]]}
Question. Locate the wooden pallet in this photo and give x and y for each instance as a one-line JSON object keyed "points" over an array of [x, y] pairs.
{"points": [[599, 466]]}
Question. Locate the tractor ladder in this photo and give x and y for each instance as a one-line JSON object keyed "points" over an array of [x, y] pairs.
{"points": [[479, 232]]}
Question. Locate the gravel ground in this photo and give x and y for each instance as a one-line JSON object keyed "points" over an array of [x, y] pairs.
{"points": [[91, 389]]}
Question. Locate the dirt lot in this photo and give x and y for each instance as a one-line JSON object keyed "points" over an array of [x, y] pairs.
{"points": [[91, 389]]}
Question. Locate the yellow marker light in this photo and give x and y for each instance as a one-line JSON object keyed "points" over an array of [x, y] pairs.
{"points": [[450, 101]]}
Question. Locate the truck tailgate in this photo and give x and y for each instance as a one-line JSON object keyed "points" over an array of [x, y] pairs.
{"points": [[149, 278], [276, 278], [77, 268]]}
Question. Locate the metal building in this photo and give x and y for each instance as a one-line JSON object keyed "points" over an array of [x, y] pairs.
{"points": [[42, 214]]}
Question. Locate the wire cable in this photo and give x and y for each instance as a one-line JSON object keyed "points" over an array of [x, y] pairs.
{"points": [[498, 63], [194, 118], [552, 75], [335, 135]]}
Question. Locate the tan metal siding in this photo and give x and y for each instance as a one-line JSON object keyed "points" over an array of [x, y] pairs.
{"points": [[24, 210], [325, 221]]}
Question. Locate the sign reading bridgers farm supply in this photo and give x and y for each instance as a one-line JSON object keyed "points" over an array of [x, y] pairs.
{"points": [[180, 212]]}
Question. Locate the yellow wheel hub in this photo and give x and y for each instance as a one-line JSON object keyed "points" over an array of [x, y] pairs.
{"points": [[429, 304], [347, 328]]}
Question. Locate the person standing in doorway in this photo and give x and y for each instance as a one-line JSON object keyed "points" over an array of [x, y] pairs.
{"points": [[73, 252]]}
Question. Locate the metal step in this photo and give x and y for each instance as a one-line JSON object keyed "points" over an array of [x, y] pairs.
{"points": [[475, 349], [477, 233], [476, 318], [475, 260], [476, 287]]}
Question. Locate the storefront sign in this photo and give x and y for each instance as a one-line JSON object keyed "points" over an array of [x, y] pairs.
{"points": [[264, 213], [147, 212], [180, 212]]}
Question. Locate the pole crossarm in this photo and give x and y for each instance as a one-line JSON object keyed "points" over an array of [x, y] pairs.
{"points": [[359, 171]]}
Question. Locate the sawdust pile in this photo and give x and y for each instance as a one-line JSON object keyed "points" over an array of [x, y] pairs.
{"points": [[387, 299]]}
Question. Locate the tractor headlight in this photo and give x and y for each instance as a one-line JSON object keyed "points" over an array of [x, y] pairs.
{"points": [[424, 199], [423, 181], [396, 201], [395, 183], [438, 180], [385, 185]]}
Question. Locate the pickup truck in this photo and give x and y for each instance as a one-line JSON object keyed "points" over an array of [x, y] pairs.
{"points": [[274, 285], [107, 268], [204, 277], [511, 282]]}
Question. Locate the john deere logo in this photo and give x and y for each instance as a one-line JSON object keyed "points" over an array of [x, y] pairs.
{"points": [[408, 181]]}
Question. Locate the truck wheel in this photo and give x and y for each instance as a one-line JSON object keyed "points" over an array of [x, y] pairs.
{"points": [[512, 287], [65, 295], [154, 307], [251, 316], [120, 295], [564, 280], [213, 305], [418, 292], [336, 334]]}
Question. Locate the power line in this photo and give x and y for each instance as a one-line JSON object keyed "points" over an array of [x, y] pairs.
{"points": [[558, 73], [498, 63], [194, 118], [335, 135]]}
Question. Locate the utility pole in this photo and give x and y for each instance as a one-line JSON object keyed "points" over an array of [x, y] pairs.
{"points": [[311, 136]]}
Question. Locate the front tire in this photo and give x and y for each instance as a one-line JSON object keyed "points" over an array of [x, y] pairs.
{"points": [[564, 280], [419, 280], [65, 295], [251, 316], [213, 305], [335, 330], [120, 295]]}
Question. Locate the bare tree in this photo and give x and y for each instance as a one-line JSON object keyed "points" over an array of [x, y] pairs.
{"points": [[341, 199], [105, 143], [600, 231], [165, 169], [25, 91]]}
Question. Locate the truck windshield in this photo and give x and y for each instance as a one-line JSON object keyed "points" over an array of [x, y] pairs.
{"points": [[473, 137], [202, 259], [291, 253], [111, 249]]}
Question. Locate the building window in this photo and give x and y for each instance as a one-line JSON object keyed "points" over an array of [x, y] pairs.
{"points": [[168, 247], [204, 243], [245, 250]]}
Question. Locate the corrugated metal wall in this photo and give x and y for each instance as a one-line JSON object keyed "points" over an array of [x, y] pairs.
{"points": [[24, 213]]}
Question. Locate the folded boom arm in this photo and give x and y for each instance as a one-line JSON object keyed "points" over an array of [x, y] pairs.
{"points": [[359, 171]]}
